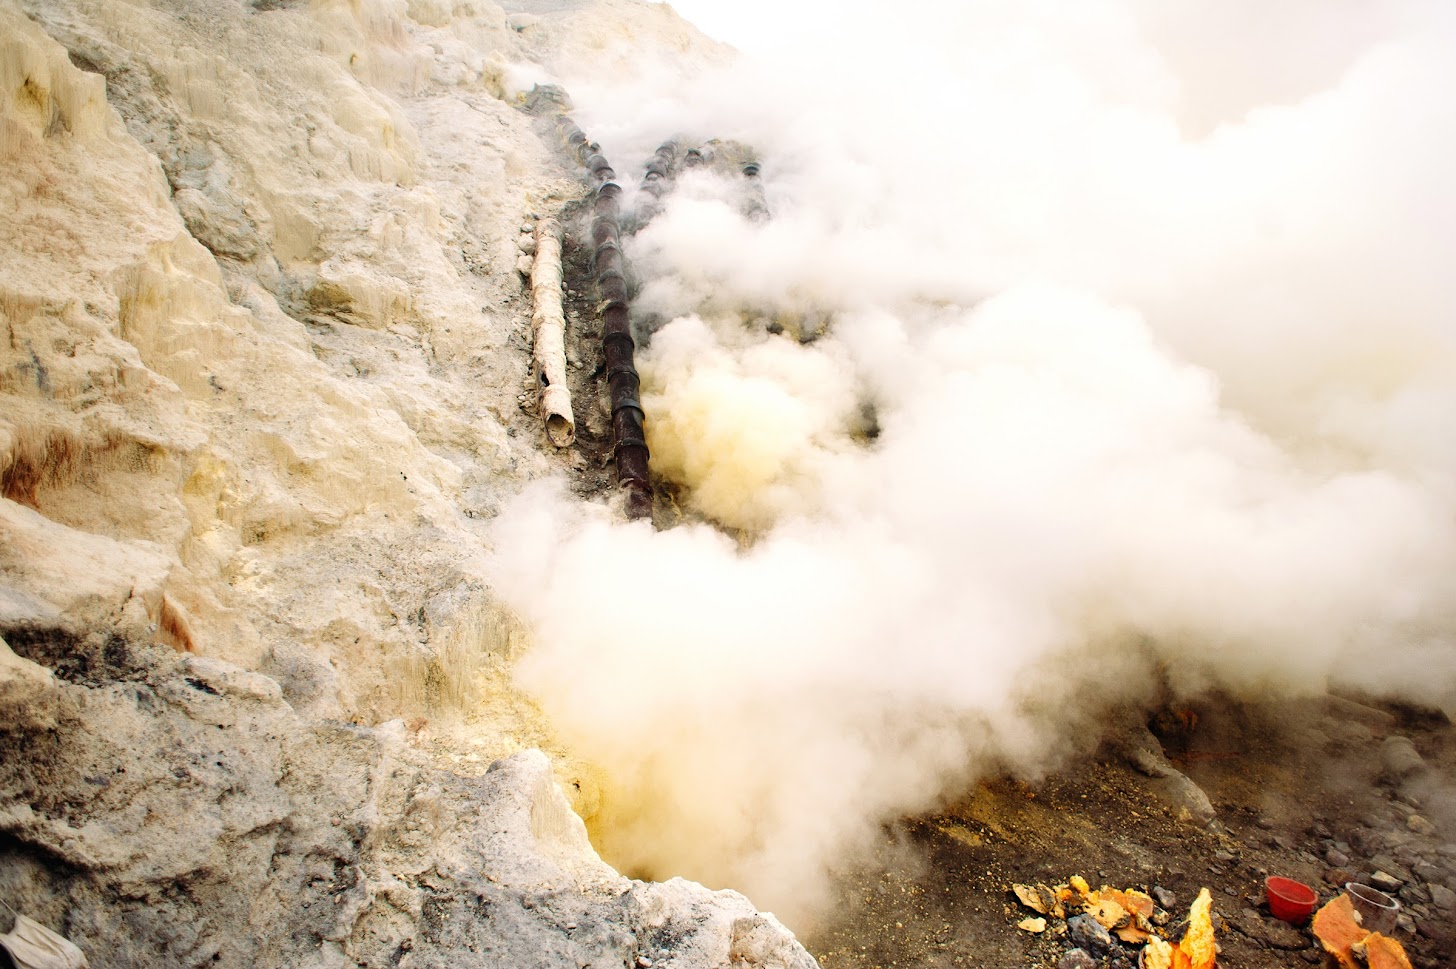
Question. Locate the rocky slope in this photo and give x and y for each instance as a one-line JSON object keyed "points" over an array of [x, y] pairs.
{"points": [[265, 348]]}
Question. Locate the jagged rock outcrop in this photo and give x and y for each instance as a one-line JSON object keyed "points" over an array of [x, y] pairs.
{"points": [[178, 812], [259, 396]]}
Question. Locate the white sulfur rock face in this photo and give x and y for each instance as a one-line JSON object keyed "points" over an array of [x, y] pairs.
{"points": [[259, 395], [258, 281], [296, 424], [27, 691]]}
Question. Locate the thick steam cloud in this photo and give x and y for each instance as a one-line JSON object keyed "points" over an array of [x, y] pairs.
{"points": [[1065, 374]]}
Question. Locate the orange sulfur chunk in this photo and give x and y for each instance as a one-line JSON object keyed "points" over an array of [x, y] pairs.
{"points": [[1337, 928], [1383, 952], [1197, 950]]}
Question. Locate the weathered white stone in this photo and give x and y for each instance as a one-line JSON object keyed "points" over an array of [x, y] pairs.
{"points": [[27, 691]]}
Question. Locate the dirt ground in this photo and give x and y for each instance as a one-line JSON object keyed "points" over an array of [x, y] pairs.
{"points": [[1312, 790]]}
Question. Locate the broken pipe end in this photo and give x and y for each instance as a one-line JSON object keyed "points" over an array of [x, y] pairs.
{"points": [[557, 415]]}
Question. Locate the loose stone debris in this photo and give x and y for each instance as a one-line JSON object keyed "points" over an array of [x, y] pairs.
{"points": [[1095, 922], [1109, 819]]}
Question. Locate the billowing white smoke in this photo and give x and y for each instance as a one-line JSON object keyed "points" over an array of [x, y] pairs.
{"points": [[1155, 320]]}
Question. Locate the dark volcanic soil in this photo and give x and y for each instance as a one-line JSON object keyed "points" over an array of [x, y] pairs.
{"points": [[1312, 790]]}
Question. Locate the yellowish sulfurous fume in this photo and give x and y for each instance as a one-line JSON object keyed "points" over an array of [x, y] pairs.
{"points": [[1159, 376]]}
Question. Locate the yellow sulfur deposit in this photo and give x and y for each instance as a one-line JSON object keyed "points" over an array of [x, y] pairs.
{"points": [[1197, 950]]}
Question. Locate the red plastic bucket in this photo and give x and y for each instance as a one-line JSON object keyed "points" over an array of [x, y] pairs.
{"points": [[1289, 900]]}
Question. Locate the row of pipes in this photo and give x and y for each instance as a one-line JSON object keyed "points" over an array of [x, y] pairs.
{"points": [[629, 440]]}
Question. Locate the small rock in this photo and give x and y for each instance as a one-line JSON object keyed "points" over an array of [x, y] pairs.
{"points": [[1388, 864], [1336, 858], [1085, 933], [1385, 881], [1412, 894], [1399, 758], [1185, 797], [1427, 872], [1146, 756], [1223, 855], [1164, 898], [1405, 923], [1443, 898], [1076, 959], [1035, 926], [1034, 898], [1420, 825]]}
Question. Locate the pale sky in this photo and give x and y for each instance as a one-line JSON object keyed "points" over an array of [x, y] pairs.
{"points": [[760, 26]]}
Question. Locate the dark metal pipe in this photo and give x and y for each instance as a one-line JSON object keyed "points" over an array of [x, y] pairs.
{"points": [[624, 386], [701, 155], [609, 267], [608, 259], [617, 353], [612, 289], [616, 323], [604, 231], [755, 205], [656, 182], [627, 430]]}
